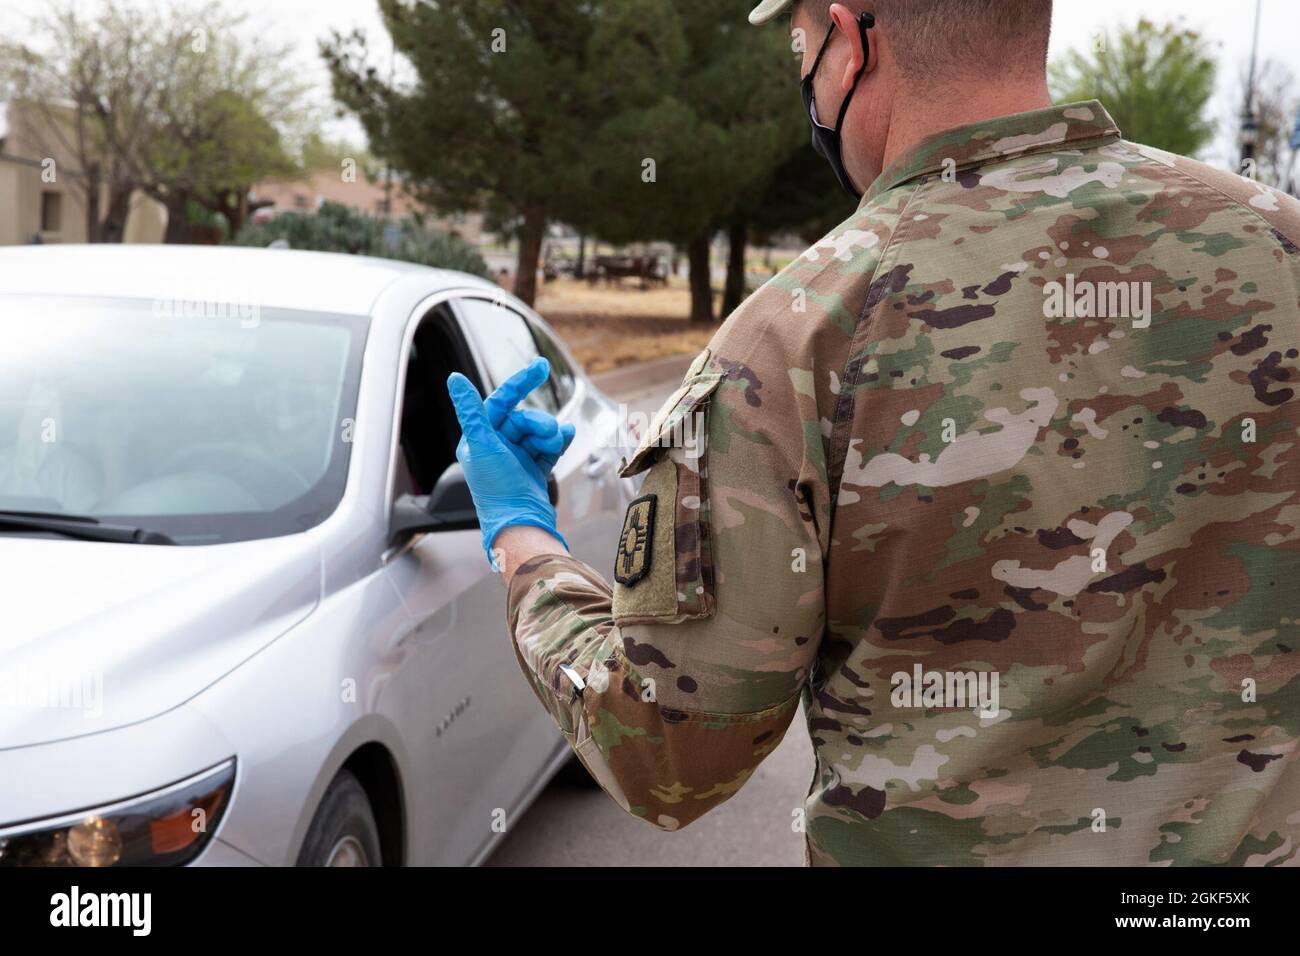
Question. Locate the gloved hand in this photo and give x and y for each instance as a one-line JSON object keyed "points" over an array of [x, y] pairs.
{"points": [[508, 453]]}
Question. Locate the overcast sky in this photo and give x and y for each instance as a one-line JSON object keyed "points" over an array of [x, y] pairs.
{"points": [[1228, 24]]}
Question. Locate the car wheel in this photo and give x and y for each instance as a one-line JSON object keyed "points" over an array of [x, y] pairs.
{"points": [[343, 831]]}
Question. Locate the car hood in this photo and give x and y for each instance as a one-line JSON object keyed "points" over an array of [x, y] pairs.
{"points": [[94, 636]]}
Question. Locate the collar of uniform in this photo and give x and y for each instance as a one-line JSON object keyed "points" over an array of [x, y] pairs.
{"points": [[999, 138]]}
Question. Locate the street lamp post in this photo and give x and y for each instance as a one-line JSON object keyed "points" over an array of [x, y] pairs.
{"points": [[1249, 135], [1249, 124]]}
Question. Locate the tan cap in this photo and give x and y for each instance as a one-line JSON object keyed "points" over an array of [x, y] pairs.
{"points": [[769, 10]]}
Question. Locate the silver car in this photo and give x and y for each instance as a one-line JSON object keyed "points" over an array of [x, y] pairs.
{"points": [[245, 615]]}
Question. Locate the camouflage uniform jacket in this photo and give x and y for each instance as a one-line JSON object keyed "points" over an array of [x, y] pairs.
{"points": [[1028, 415]]}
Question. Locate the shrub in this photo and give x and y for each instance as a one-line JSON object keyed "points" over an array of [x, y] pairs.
{"points": [[338, 228]]}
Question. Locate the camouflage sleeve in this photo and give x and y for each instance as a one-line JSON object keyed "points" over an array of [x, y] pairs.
{"points": [[674, 682]]}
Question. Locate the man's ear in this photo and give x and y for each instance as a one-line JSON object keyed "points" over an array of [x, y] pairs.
{"points": [[846, 21]]}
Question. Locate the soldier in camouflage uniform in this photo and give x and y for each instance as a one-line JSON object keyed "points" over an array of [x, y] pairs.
{"points": [[934, 446]]}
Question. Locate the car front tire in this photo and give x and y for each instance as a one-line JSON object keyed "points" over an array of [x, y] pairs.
{"points": [[343, 832]]}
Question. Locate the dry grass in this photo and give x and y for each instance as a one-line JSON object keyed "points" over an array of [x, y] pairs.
{"points": [[607, 327], [573, 298]]}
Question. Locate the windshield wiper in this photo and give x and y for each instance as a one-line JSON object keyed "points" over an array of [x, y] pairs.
{"points": [[80, 526]]}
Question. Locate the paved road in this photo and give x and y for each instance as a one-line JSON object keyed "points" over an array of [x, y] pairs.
{"points": [[643, 387], [576, 825]]}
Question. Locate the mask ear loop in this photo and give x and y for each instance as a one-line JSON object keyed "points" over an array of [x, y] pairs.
{"points": [[812, 75], [821, 52], [865, 22]]}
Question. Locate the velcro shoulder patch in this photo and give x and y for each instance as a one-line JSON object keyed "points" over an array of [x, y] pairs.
{"points": [[636, 543], [645, 567]]}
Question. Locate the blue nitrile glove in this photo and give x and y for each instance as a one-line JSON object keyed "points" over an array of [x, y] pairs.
{"points": [[508, 453]]}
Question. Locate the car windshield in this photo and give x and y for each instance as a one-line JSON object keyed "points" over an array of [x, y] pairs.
{"points": [[207, 424]]}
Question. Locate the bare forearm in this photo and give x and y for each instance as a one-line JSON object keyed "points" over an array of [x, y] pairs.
{"points": [[519, 543]]}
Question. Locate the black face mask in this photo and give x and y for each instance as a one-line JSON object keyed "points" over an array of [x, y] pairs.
{"points": [[826, 141]]}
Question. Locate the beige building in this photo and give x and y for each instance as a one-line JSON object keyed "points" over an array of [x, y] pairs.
{"points": [[41, 198]]}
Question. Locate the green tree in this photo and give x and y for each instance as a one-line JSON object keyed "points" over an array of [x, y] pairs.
{"points": [[685, 164], [213, 153], [1154, 80], [801, 197], [87, 90], [173, 102], [503, 100], [221, 126], [337, 228], [320, 153]]}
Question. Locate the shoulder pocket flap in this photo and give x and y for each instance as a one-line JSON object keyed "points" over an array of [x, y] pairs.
{"points": [[670, 428]]}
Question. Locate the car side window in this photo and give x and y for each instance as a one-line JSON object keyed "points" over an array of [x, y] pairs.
{"points": [[561, 373], [429, 429], [506, 344]]}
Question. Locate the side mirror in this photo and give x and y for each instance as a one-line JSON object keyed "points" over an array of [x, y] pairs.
{"points": [[410, 518], [451, 500], [449, 508]]}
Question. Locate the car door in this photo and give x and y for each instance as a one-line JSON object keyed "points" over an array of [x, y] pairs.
{"points": [[477, 739]]}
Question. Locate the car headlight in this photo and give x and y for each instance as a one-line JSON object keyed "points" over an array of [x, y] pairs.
{"points": [[167, 827]]}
